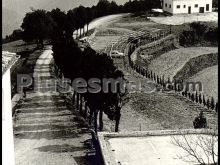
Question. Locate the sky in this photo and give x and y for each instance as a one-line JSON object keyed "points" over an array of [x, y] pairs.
{"points": [[13, 11]]}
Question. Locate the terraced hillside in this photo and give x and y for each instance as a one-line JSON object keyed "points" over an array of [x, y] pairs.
{"points": [[156, 110], [168, 64]]}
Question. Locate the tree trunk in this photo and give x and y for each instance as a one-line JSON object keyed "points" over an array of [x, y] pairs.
{"points": [[87, 27], [86, 109], [77, 100], [90, 115], [41, 42], [74, 97], [80, 104], [95, 120], [83, 31], [77, 33], [116, 125], [117, 120], [100, 120], [80, 32]]}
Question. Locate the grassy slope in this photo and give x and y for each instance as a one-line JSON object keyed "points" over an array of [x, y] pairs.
{"points": [[168, 111], [25, 64], [209, 78], [17, 46], [197, 64], [171, 62], [157, 110]]}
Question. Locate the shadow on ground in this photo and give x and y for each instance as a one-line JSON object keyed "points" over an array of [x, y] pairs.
{"points": [[60, 148]]}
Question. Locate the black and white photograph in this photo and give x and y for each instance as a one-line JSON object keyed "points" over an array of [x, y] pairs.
{"points": [[110, 82]]}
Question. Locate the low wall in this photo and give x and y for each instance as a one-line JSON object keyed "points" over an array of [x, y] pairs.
{"points": [[154, 46], [106, 150]]}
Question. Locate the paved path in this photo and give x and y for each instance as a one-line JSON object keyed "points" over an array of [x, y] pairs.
{"points": [[46, 131]]}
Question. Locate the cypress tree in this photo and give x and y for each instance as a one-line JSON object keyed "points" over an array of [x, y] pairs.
{"points": [[192, 97], [208, 103], [183, 93], [158, 81], [189, 95], [196, 97], [146, 73], [212, 104], [200, 98], [154, 77], [174, 85], [203, 100]]}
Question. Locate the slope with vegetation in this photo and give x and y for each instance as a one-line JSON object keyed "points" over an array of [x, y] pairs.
{"points": [[209, 78], [170, 63]]}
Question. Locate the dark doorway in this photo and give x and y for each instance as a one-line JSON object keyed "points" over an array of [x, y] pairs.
{"points": [[189, 10], [201, 10], [207, 7]]}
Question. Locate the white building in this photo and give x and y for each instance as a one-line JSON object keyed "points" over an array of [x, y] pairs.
{"points": [[187, 6], [8, 59]]}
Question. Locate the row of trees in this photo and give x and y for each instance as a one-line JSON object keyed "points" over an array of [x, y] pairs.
{"points": [[75, 63], [167, 84], [200, 30], [40, 24]]}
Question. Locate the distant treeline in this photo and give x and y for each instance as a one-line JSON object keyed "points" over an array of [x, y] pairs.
{"points": [[39, 24]]}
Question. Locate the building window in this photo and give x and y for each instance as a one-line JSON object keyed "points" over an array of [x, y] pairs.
{"points": [[207, 7], [178, 6], [196, 5], [165, 4], [184, 6], [169, 6]]}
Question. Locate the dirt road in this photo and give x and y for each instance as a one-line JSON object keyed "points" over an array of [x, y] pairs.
{"points": [[46, 131]]}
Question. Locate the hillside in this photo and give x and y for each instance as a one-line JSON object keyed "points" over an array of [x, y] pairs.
{"points": [[171, 62], [197, 64], [209, 78], [14, 10]]}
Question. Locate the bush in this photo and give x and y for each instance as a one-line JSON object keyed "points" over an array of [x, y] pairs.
{"points": [[199, 33]]}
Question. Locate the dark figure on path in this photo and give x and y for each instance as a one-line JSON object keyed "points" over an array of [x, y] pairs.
{"points": [[200, 121]]}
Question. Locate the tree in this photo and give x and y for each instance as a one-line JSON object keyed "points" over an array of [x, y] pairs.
{"points": [[74, 63], [187, 37], [192, 97], [196, 97], [200, 98], [90, 14], [103, 8], [62, 26], [216, 107], [189, 95], [37, 25], [204, 101], [212, 103], [201, 149], [208, 103]]}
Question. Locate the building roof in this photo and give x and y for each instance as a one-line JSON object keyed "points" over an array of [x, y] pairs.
{"points": [[8, 59]]}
